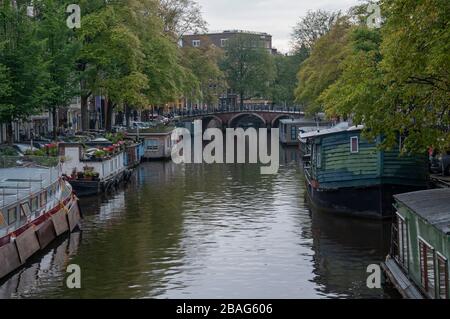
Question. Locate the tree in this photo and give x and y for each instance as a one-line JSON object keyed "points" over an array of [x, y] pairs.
{"points": [[396, 80], [312, 27], [204, 64], [181, 16], [60, 52], [22, 67], [286, 76], [324, 66], [249, 68]]}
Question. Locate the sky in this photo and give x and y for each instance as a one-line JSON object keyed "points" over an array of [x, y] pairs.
{"points": [[276, 17]]}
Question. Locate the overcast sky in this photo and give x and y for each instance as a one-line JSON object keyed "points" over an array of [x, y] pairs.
{"points": [[276, 17]]}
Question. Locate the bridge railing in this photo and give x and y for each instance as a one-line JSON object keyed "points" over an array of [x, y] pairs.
{"points": [[246, 108]]}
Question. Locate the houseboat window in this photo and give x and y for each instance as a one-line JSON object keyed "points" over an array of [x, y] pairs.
{"points": [[293, 133], [43, 199], [2, 219], [12, 215], [152, 145], [34, 204], [354, 144], [401, 246], [318, 153], [24, 210], [427, 267], [442, 276]]}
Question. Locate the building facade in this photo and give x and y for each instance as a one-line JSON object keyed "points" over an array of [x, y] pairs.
{"points": [[220, 39]]}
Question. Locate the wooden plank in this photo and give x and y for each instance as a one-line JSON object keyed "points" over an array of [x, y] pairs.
{"points": [[27, 244], [46, 233], [60, 222], [9, 259], [74, 216]]}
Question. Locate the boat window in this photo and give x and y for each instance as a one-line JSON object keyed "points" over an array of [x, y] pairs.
{"points": [[442, 276], [24, 210], [354, 144], [427, 267], [12, 217], [152, 145], [2, 219], [318, 156], [43, 199], [34, 204], [401, 246]]}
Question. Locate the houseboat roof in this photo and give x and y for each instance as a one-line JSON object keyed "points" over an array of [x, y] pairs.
{"points": [[341, 127], [298, 121], [18, 183], [432, 205]]}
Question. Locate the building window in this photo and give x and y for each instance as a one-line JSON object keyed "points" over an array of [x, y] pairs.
{"points": [[354, 144], [12, 215], [442, 281], [196, 43], [223, 42], [401, 246], [427, 267], [293, 133]]}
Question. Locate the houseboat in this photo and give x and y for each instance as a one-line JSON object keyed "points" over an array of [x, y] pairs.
{"points": [[291, 128], [347, 174], [157, 142], [36, 206], [92, 171], [134, 152], [418, 263]]}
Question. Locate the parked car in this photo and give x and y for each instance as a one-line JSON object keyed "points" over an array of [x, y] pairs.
{"points": [[440, 164], [24, 148]]}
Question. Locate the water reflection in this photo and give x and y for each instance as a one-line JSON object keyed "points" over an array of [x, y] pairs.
{"points": [[209, 231]]}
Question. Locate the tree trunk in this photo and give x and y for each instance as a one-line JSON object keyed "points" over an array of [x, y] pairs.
{"points": [[108, 115], [127, 116], [55, 123], [9, 133], [242, 101], [84, 113]]}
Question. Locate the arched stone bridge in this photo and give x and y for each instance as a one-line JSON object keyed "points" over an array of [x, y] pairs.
{"points": [[269, 118]]}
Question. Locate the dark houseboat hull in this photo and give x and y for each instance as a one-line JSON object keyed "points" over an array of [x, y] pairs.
{"points": [[85, 188], [373, 202]]}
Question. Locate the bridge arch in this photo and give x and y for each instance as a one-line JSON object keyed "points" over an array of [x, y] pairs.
{"points": [[235, 117], [208, 118], [276, 121]]}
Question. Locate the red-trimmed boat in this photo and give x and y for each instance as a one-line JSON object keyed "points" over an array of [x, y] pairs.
{"points": [[36, 206]]}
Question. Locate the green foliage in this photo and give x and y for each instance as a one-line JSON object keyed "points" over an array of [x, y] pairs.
{"points": [[324, 66], [396, 80], [249, 69]]}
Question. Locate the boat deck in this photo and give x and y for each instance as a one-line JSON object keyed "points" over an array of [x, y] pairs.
{"points": [[19, 183], [398, 278]]}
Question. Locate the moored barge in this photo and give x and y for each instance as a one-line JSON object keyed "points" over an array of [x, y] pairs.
{"points": [[347, 174], [418, 262], [36, 206]]}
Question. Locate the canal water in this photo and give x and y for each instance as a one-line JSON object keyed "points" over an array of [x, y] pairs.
{"points": [[209, 231]]}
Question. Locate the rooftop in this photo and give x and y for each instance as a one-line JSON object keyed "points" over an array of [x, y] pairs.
{"points": [[18, 183], [432, 205], [341, 127]]}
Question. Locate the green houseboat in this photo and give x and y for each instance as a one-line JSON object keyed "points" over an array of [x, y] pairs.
{"points": [[418, 262], [347, 174]]}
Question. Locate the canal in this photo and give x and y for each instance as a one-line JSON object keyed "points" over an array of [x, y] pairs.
{"points": [[209, 231]]}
